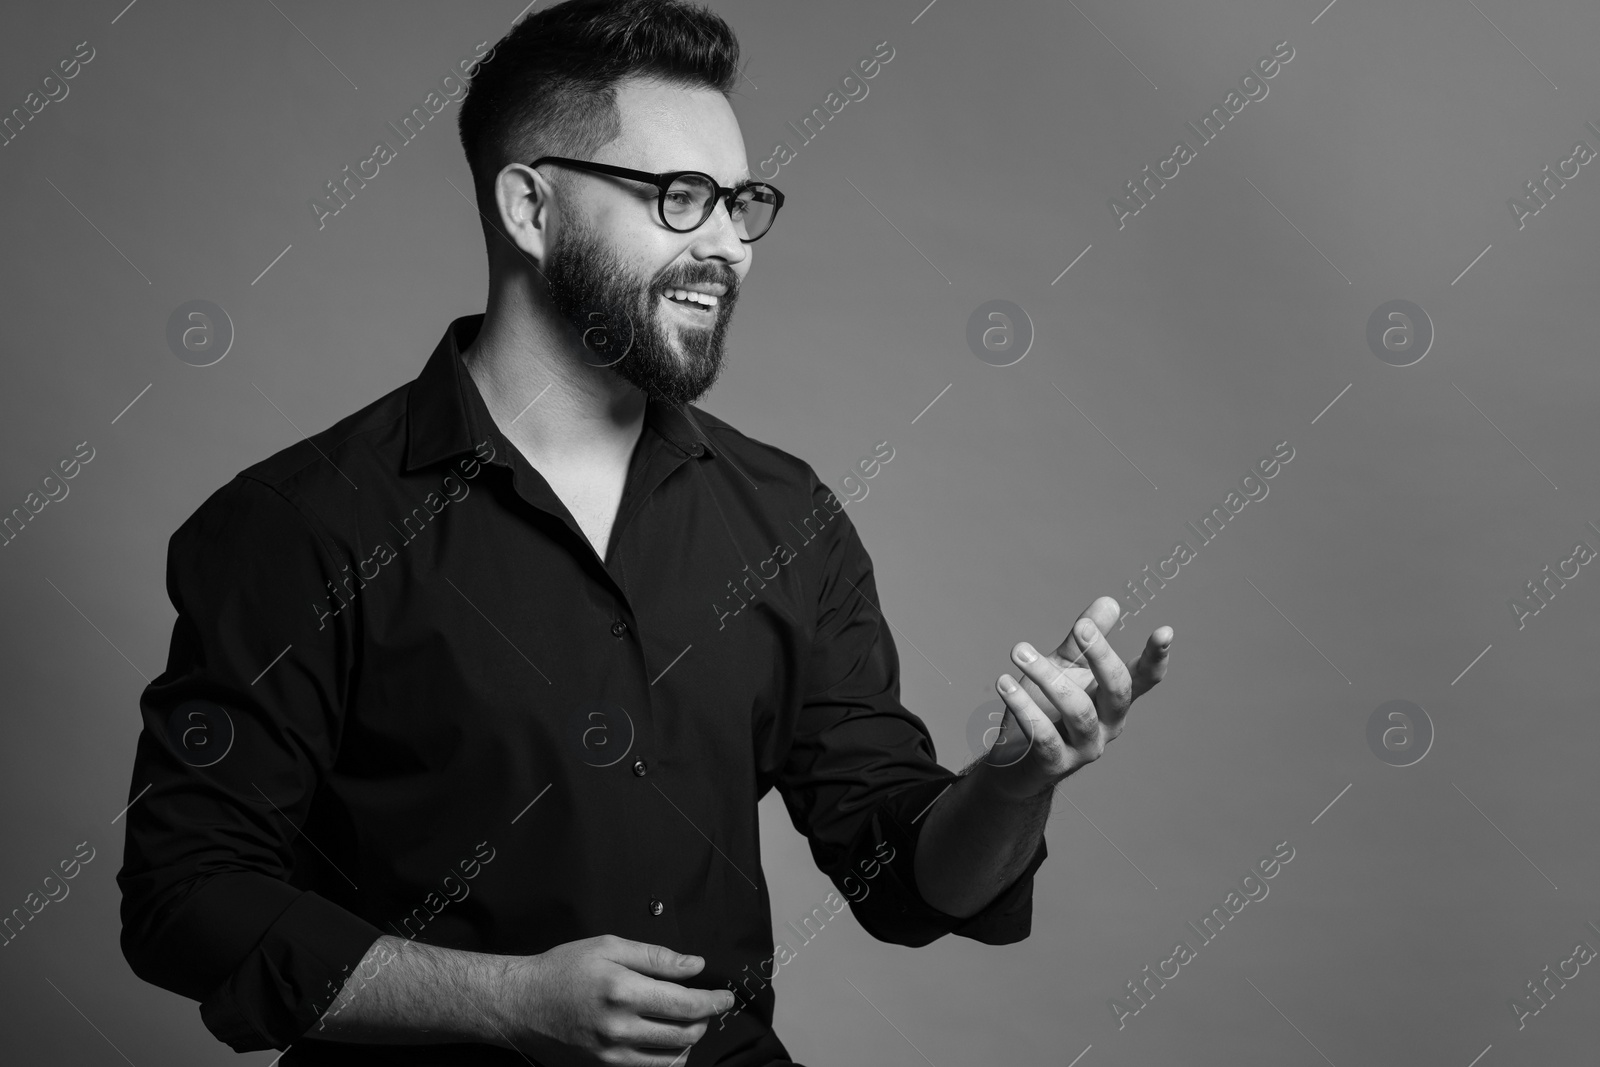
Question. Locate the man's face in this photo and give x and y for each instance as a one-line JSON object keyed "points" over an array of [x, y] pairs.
{"points": [[612, 263]]}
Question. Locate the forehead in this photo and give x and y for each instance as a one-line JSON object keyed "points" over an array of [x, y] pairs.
{"points": [[675, 127]]}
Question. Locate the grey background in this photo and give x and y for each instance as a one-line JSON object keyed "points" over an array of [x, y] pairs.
{"points": [[1191, 342]]}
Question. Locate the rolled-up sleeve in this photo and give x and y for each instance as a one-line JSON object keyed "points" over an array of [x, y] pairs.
{"points": [[861, 770], [238, 733]]}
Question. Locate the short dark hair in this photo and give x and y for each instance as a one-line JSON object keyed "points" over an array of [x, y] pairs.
{"points": [[549, 86]]}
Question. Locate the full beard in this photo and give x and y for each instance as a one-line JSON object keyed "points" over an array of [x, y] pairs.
{"points": [[619, 318]]}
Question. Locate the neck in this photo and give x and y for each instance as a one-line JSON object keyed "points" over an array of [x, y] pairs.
{"points": [[544, 396]]}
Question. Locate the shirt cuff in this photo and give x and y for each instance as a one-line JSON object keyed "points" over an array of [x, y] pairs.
{"points": [[291, 977], [880, 880]]}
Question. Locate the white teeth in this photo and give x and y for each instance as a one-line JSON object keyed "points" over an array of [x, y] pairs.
{"points": [[704, 299]]}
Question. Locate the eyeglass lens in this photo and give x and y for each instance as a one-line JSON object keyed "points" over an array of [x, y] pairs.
{"points": [[688, 203]]}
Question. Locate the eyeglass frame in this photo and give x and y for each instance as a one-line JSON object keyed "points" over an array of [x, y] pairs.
{"points": [[663, 182]]}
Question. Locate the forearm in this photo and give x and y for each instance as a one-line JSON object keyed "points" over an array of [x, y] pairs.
{"points": [[979, 836], [405, 992]]}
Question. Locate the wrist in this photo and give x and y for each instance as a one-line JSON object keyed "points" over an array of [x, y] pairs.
{"points": [[1015, 783], [505, 990]]}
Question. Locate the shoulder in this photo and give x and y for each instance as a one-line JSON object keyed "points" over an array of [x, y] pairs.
{"points": [[765, 463]]}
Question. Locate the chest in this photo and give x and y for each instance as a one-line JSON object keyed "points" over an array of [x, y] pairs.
{"points": [[592, 494]]}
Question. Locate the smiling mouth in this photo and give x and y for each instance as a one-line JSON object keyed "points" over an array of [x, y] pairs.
{"points": [[697, 305]]}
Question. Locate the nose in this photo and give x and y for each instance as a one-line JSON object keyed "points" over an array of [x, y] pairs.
{"points": [[718, 237]]}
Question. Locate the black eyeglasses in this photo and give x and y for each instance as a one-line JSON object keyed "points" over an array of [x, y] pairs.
{"points": [[688, 197]]}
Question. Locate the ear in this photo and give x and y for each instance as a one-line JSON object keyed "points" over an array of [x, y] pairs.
{"points": [[523, 202]]}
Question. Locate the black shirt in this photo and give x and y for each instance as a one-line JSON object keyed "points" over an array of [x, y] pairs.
{"points": [[405, 696]]}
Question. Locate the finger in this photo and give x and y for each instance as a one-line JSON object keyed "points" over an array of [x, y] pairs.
{"points": [[1116, 686], [650, 1035], [1151, 666], [672, 1002], [1104, 613], [1077, 710], [657, 961], [1038, 730]]}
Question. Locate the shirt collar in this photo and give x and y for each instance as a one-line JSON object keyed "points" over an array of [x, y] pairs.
{"points": [[446, 415]]}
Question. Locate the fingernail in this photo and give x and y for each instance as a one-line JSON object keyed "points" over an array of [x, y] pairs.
{"points": [[1007, 684], [1086, 630], [1025, 654]]}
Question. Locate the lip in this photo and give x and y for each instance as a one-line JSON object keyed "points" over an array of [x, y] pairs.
{"points": [[692, 309]]}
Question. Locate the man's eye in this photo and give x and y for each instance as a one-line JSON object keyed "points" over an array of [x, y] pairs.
{"points": [[680, 199]]}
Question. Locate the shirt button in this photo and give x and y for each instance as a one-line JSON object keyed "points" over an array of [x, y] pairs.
{"points": [[619, 628], [639, 768], [656, 907]]}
